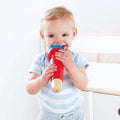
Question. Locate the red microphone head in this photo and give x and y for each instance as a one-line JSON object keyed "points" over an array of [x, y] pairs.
{"points": [[52, 51]]}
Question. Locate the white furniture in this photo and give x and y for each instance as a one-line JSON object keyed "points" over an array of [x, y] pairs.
{"points": [[106, 107], [102, 96], [101, 107]]}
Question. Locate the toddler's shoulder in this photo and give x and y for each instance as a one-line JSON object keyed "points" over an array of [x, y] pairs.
{"points": [[78, 58], [39, 59], [40, 56], [75, 54]]}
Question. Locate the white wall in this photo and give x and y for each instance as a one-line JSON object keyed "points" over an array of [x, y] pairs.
{"points": [[18, 46], [97, 44], [20, 41]]}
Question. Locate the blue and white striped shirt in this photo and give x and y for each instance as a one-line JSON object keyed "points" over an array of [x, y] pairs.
{"points": [[70, 98]]}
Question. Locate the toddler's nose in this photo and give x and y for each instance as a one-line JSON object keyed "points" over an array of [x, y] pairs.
{"points": [[58, 41]]}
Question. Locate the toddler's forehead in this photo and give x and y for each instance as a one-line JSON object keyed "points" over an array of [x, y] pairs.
{"points": [[57, 26], [60, 21]]}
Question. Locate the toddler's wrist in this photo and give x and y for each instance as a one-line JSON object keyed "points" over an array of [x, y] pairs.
{"points": [[70, 66], [40, 81]]}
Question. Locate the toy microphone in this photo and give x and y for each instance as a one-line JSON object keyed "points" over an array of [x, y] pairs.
{"points": [[57, 78]]}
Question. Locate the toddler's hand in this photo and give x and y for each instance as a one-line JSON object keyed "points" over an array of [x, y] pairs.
{"points": [[65, 57], [48, 73]]}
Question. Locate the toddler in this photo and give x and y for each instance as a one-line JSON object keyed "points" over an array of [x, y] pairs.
{"points": [[58, 28]]}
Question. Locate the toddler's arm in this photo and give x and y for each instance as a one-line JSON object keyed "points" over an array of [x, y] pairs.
{"points": [[36, 81], [77, 75]]}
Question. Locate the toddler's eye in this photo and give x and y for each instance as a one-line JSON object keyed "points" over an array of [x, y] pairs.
{"points": [[64, 35], [51, 35]]}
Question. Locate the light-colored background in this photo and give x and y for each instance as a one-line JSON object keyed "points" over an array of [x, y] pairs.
{"points": [[98, 31]]}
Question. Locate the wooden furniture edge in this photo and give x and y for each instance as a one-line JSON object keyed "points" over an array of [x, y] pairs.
{"points": [[103, 91]]}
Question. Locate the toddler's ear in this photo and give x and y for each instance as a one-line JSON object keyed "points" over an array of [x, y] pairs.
{"points": [[41, 35], [74, 33]]}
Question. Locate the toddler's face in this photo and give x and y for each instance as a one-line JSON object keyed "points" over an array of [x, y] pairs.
{"points": [[58, 32]]}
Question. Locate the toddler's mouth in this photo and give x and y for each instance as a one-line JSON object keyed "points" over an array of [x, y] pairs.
{"points": [[64, 46]]}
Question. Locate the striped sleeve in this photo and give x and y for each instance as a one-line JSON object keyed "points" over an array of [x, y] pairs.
{"points": [[37, 64], [79, 60]]}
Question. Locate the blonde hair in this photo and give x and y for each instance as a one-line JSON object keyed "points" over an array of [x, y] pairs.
{"points": [[57, 13]]}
